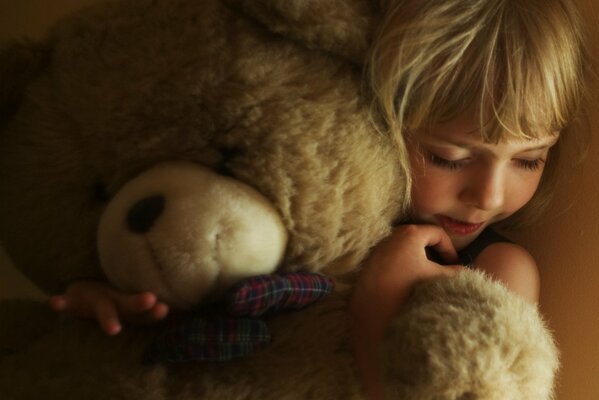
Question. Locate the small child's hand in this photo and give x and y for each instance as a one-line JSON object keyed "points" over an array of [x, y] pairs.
{"points": [[388, 275], [108, 305], [394, 266]]}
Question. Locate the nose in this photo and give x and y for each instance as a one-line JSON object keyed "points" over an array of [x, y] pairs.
{"points": [[142, 215], [485, 189]]}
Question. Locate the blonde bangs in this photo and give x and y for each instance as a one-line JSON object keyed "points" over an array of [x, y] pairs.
{"points": [[516, 62], [535, 90]]}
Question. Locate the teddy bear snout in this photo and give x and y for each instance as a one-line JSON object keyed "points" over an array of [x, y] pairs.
{"points": [[142, 215]]}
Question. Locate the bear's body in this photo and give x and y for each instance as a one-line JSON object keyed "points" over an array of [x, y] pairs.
{"points": [[124, 86]]}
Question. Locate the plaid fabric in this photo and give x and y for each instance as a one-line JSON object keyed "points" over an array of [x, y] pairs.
{"points": [[200, 339], [203, 338], [267, 293]]}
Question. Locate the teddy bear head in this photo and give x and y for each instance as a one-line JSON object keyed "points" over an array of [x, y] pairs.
{"points": [[125, 116], [182, 231]]}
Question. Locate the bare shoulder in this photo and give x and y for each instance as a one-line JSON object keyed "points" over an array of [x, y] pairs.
{"points": [[514, 266]]}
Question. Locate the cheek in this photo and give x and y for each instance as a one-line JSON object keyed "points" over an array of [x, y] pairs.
{"points": [[420, 186], [521, 194], [430, 192], [433, 189], [421, 195]]}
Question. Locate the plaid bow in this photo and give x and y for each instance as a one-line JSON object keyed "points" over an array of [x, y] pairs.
{"points": [[200, 337]]}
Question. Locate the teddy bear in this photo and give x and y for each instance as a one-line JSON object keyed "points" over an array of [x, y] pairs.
{"points": [[185, 147]]}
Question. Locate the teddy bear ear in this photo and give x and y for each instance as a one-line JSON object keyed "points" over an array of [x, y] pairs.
{"points": [[342, 27], [20, 62]]}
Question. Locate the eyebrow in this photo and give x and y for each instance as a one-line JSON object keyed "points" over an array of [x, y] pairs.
{"points": [[468, 145], [541, 146]]}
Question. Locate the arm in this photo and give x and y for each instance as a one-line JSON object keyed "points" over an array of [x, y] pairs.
{"points": [[91, 299], [388, 275], [513, 266]]}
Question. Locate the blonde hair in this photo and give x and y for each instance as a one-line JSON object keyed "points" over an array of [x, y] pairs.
{"points": [[519, 62]]}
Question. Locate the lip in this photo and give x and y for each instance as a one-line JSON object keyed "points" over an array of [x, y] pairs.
{"points": [[458, 227]]}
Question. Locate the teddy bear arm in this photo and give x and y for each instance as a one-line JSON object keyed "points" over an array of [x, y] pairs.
{"points": [[481, 342]]}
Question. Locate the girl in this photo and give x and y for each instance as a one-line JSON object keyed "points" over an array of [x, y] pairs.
{"points": [[478, 94]]}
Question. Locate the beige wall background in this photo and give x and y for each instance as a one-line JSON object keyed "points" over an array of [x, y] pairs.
{"points": [[564, 243], [566, 247]]}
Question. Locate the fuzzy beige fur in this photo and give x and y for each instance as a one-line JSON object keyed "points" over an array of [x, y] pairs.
{"points": [[269, 93], [116, 94], [502, 353], [479, 342]]}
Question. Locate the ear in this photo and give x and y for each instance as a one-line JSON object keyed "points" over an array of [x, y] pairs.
{"points": [[20, 62], [341, 27]]}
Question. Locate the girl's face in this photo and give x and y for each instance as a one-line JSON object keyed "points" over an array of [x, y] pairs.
{"points": [[463, 184]]}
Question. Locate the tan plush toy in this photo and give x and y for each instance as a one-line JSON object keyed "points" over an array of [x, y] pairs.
{"points": [[182, 146], [183, 232]]}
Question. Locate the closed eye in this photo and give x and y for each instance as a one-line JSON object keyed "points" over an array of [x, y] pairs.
{"points": [[531, 165], [452, 165]]}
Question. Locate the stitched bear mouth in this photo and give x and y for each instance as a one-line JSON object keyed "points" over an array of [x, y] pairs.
{"points": [[164, 280]]}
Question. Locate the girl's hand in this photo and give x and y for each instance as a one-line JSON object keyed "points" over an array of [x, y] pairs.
{"points": [[394, 266], [108, 305], [388, 275]]}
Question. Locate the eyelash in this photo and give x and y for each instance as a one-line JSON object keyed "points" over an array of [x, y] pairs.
{"points": [[447, 164], [529, 165]]}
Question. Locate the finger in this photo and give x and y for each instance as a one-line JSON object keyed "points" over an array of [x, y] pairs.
{"points": [[440, 241], [58, 303], [108, 317], [155, 314], [72, 303], [136, 303], [159, 311]]}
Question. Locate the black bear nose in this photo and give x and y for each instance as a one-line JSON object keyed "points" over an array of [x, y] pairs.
{"points": [[144, 213]]}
